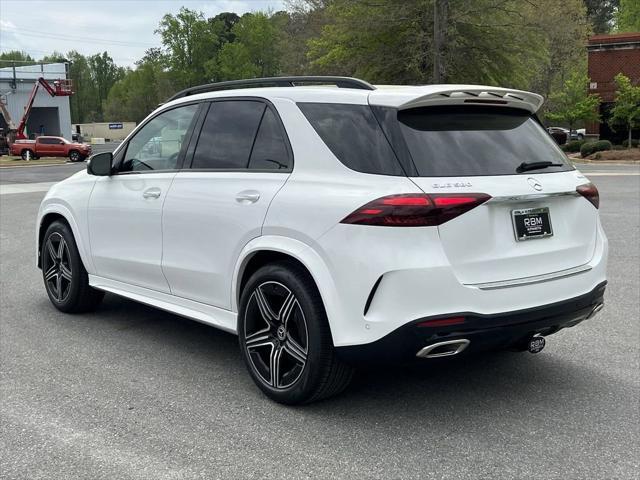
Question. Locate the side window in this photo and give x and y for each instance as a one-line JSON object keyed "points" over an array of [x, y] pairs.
{"points": [[270, 148], [156, 146], [228, 134], [354, 136]]}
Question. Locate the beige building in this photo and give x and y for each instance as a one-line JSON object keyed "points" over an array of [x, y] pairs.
{"points": [[109, 131]]}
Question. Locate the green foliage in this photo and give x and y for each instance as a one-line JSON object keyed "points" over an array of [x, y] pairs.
{"points": [[601, 14], [626, 111], [15, 56], [573, 146], [573, 104], [628, 17], [634, 143], [590, 148], [253, 53]]}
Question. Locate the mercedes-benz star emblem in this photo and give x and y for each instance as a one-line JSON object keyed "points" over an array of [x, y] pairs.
{"points": [[535, 184]]}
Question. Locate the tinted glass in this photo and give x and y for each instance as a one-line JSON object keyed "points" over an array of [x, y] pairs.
{"points": [[270, 149], [354, 136], [157, 145], [49, 141], [227, 135], [466, 140]]}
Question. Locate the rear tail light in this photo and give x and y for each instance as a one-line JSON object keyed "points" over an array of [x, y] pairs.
{"points": [[590, 192], [415, 209]]}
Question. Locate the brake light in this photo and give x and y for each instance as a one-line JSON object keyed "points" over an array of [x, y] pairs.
{"points": [[590, 192], [415, 209]]}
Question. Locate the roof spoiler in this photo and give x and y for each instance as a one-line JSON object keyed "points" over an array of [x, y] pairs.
{"points": [[460, 96]]}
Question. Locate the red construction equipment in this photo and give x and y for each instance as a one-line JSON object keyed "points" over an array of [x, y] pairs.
{"points": [[60, 88]]}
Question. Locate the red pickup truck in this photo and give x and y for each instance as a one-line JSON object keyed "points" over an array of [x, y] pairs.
{"points": [[50, 147]]}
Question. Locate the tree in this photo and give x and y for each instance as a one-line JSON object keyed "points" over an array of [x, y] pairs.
{"points": [[628, 17], [253, 53], [601, 14], [104, 74], [626, 111], [189, 41], [15, 57], [573, 104]]}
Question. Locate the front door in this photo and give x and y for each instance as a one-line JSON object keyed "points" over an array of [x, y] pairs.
{"points": [[125, 209]]}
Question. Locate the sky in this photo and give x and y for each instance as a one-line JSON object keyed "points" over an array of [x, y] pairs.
{"points": [[124, 28]]}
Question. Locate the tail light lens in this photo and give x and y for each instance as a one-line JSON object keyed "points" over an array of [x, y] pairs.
{"points": [[415, 210], [590, 192]]}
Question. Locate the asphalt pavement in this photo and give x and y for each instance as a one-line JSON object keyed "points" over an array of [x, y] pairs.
{"points": [[131, 392]]}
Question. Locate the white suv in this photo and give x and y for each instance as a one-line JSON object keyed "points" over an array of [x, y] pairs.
{"points": [[329, 226]]}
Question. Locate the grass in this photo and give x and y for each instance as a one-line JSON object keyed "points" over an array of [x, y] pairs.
{"points": [[6, 161]]}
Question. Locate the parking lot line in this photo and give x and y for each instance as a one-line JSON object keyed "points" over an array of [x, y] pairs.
{"points": [[12, 188]]}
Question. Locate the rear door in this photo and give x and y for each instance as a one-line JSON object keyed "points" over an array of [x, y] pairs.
{"points": [[213, 209], [471, 149], [44, 147]]}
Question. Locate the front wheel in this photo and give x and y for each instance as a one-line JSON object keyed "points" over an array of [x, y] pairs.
{"points": [[74, 156], [65, 277], [285, 338]]}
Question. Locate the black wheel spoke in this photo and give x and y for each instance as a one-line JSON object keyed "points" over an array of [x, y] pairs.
{"points": [[294, 349], [65, 272], [259, 339], [265, 309], [59, 288], [61, 246], [286, 309], [51, 273], [52, 251], [274, 366]]}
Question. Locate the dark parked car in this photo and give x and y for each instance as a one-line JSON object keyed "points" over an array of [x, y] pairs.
{"points": [[559, 134]]}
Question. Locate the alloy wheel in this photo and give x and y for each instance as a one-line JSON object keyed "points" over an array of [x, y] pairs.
{"points": [[276, 335], [57, 267]]}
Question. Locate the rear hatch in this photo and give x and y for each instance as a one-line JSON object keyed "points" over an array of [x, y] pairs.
{"points": [[535, 222]]}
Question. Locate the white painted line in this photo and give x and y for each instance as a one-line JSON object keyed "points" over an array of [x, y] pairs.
{"points": [[25, 187], [611, 174]]}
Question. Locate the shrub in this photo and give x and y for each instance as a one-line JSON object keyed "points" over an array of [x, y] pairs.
{"points": [[593, 147], [634, 143], [573, 146]]}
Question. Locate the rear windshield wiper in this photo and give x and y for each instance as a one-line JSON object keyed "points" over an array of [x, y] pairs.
{"points": [[524, 166]]}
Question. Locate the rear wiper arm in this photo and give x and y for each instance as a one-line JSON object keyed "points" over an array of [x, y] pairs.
{"points": [[524, 166]]}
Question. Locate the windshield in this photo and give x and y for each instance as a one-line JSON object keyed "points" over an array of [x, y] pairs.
{"points": [[470, 140]]}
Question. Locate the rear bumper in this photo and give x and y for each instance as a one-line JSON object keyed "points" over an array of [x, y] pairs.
{"points": [[485, 332]]}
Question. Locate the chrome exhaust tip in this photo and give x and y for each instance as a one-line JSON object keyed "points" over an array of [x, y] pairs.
{"points": [[444, 349], [595, 311]]}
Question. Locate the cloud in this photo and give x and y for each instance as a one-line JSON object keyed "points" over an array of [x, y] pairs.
{"points": [[124, 28]]}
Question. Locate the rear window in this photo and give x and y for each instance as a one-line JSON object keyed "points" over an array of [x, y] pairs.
{"points": [[470, 140], [354, 136]]}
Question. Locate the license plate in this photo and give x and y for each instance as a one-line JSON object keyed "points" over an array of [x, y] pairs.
{"points": [[531, 223]]}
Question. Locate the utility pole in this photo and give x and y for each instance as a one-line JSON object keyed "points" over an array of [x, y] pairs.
{"points": [[440, 17]]}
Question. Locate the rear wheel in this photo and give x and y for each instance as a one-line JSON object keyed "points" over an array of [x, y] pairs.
{"points": [[285, 338], [65, 277], [27, 154]]}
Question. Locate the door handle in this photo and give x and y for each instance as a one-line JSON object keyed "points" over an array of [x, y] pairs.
{"points": [[153, 192], [248, 196]]}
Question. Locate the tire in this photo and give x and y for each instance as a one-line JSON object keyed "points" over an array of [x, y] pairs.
{"points": [[23, 154], [65, 278], [297, 340], [75, 156], [580, 136]]}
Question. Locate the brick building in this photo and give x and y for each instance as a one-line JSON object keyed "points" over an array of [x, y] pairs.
{"points": [[609, 55]]}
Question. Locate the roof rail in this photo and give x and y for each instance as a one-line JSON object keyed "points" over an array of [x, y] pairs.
{"points": [[342, 82]]}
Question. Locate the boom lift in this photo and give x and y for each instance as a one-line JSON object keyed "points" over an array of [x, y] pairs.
{"points": [[60, 88]]}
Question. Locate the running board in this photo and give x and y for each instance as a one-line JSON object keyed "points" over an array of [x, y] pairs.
{"points": [[200, 312], [517, 282]]}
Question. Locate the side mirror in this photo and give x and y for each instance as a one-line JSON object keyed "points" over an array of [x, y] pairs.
{"points": [[100, 164]]}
